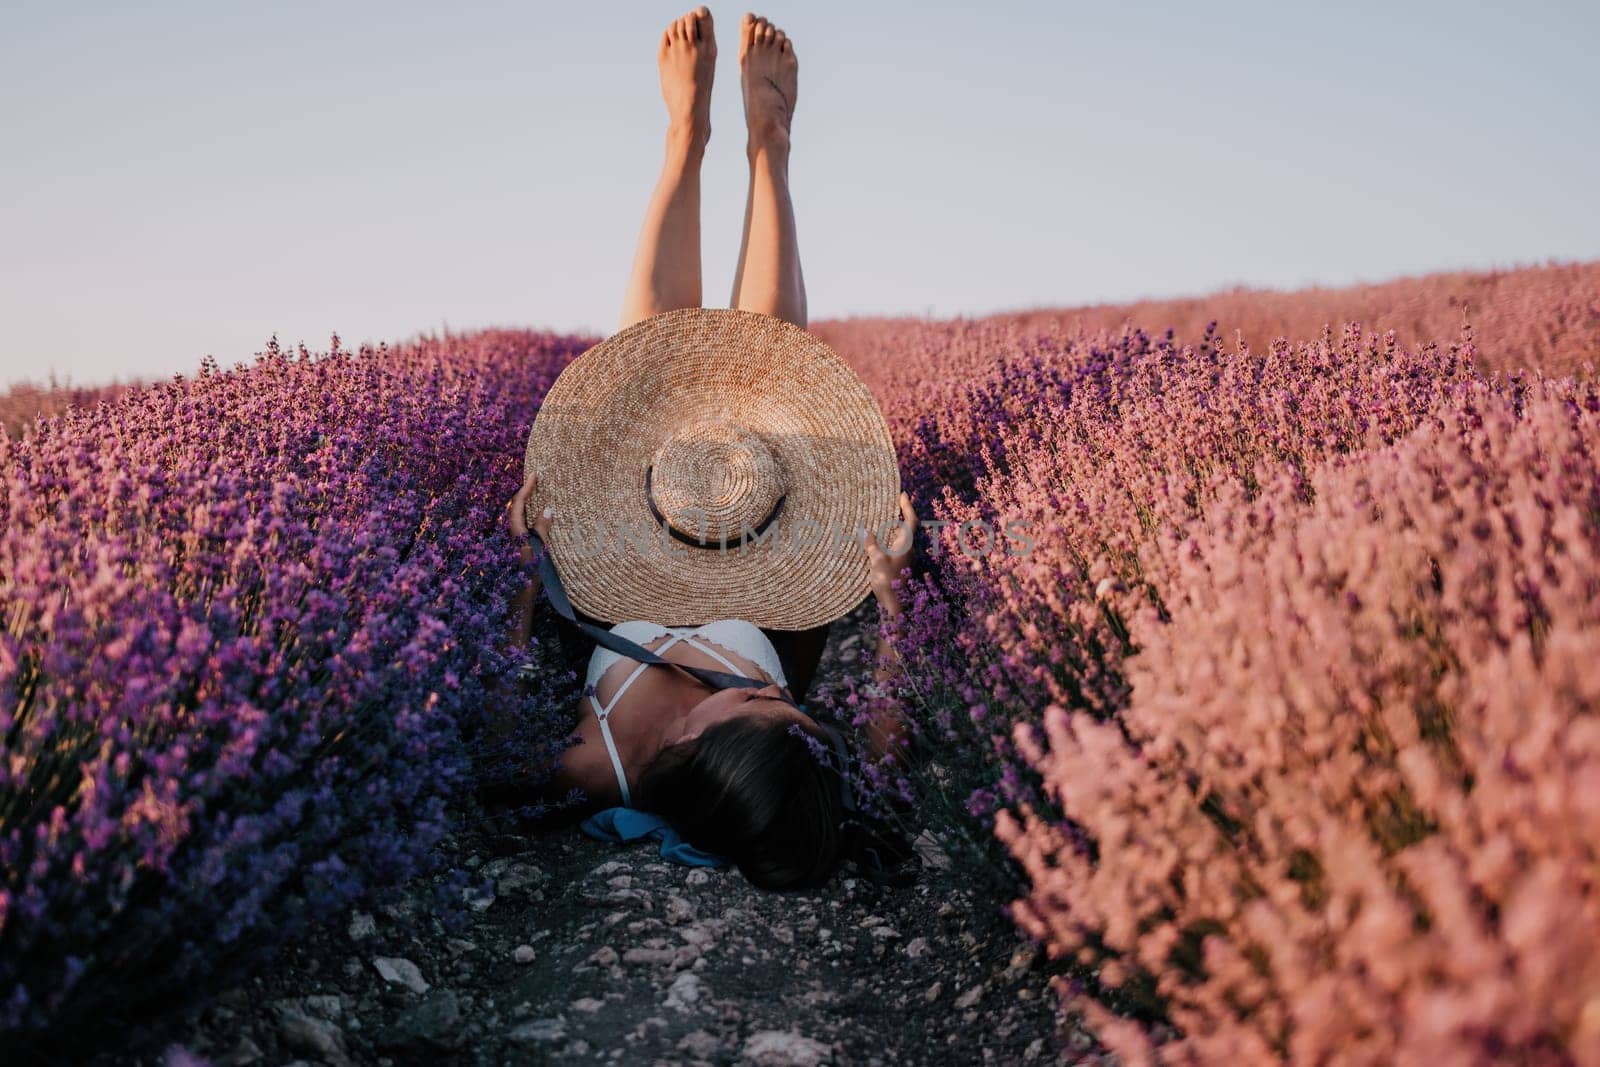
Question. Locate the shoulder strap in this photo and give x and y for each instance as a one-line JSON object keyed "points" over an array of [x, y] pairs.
{"points": [[635, 651], [632, 649]]}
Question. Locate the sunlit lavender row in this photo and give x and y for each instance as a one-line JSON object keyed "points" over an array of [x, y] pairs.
{"points": [[1288, 723]]}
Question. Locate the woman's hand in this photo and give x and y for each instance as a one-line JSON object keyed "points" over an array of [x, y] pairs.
{"points": [[516, 518], [888, 562]]}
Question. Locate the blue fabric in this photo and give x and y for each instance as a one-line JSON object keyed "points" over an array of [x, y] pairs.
{"points": [[630, 824]]}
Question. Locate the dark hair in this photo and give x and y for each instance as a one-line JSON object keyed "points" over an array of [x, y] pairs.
{"points": [[750, 789]]}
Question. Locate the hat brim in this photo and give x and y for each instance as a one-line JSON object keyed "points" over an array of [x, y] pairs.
{"points": [[609, 411]]}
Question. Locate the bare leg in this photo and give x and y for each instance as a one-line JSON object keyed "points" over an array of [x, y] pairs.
{"points": [[768, 277], [666, 263]]}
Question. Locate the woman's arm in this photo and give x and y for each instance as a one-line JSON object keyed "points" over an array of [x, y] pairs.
{"points": [[887, 727], [522, 604], [502, 694]]}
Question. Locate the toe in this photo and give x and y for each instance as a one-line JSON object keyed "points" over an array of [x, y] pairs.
{"points": [[702, 23]]}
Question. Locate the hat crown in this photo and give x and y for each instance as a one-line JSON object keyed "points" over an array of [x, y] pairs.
{"points": [[715, 481]]}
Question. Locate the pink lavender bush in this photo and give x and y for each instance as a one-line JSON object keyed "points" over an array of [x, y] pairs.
{"points": [[1351, 809], [1545, 318], [1257, 694], [251, 621]]}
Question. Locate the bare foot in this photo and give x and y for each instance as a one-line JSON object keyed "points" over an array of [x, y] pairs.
{"points": [[770, 74], [688, 60]]}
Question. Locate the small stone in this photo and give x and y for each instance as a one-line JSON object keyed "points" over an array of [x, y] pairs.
{"points": [[400, 909], [927, 847], [523, 954], [604, 956], [608, 868], [783, 1048], [697, 876], [699, 1044], [539, 1031], [783, 934], [933, 992], [587, 1005], [917, 948], [362, 926], [430, 1024], [677, 910], [700, 935], [325, 1005], [479, 898], [970, 998], [397, 970], [316, 1037], [650, 957], [460, 946], [884, 933], [513, 878], [686, 990]]}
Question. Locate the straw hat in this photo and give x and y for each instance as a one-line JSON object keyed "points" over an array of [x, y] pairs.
{"points": [[707, 464]]}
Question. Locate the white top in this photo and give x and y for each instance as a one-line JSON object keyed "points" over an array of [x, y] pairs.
{"points": [[738, 636]]}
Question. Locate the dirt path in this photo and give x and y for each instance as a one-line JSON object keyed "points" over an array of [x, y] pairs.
{"points": [[594, 953]]}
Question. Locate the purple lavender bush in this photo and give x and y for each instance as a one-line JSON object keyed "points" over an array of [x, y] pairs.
{"points": [[252, 625]]}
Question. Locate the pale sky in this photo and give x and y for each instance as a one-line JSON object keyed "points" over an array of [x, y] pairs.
{"points": [[178, 179]]}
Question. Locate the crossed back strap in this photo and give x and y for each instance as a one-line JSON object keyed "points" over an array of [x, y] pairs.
{"points": [[880, 855]]}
